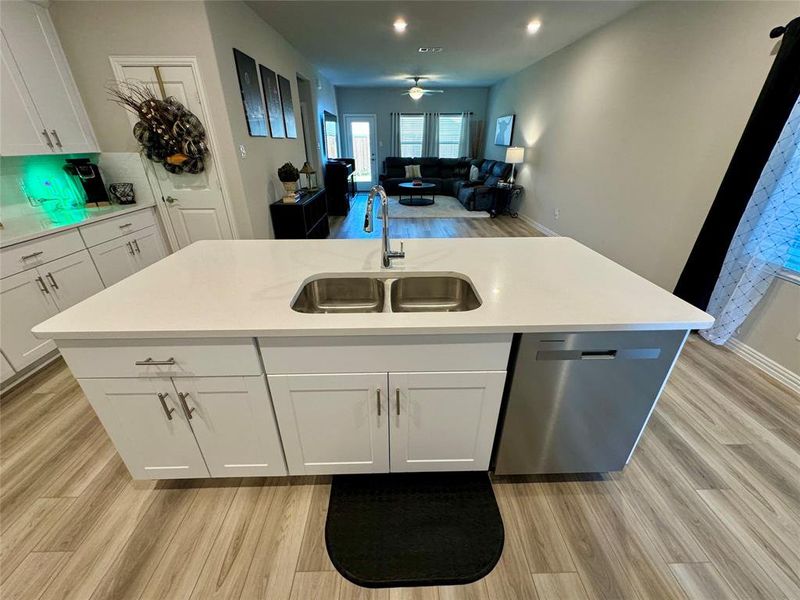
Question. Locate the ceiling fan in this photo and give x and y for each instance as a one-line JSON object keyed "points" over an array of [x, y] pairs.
{"points": [[416, 92]]}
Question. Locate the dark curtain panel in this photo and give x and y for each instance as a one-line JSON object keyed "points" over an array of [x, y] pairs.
{"points": [[769, 115]]}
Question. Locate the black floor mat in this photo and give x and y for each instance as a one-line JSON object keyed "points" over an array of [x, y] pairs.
{"points": [[409, 529]]}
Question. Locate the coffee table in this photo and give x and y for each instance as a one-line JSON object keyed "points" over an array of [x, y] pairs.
{"points": [[425, 188]]}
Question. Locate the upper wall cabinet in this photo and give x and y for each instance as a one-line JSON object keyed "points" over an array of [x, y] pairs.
{"points": [[42, 111]]}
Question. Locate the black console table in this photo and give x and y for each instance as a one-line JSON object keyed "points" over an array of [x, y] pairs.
{"points": [[340, 185], [305, 219]]}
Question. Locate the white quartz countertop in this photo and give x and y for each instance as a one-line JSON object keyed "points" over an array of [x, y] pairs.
{"points": [[19, 228], [245, 288]]}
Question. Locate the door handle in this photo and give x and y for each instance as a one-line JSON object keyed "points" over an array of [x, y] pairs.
{"points": [[58, 140], [170, 199], [47, 139], [167, 410], [42, 286], [136, 246], [130, 248], [182, 397], [397, 400], [379, 401], [52, 280]]}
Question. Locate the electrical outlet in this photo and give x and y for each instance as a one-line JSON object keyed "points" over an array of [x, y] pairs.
{"points": [[242, 151], [556, 213]]}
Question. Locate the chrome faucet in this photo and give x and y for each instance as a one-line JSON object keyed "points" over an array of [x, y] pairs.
{"points": [[388, 253]]}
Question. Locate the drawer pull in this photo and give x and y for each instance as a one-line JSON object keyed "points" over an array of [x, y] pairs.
{"points": [[124, 225], [149, 362], [397, 400], [42, 286], [168, 411], [52, 280], [182, 397], [33, 255]]}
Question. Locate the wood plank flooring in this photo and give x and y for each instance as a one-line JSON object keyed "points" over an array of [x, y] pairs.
{"points": [[709, 507]]}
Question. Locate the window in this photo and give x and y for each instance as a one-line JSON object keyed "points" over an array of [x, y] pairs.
{"points": [[793, 261], [449, 135], [411, 135]]}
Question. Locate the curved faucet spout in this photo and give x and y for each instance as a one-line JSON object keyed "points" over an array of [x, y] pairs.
{"points": [[388, 253]]}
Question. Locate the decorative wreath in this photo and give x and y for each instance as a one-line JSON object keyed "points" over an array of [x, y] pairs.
{"points": [[167, 131]]}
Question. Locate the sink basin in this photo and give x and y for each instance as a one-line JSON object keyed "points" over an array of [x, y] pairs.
{"points": [[433, 294], [341, 295]]}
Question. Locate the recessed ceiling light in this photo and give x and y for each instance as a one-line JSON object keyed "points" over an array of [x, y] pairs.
{"points": [[400, 25], [534, 26]]}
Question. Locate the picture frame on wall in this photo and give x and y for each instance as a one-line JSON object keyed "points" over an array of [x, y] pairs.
{"points": [[288, 108], [272, 98], [504, 130], [251, 94]]}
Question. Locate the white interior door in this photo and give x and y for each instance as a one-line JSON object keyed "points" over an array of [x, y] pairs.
{"points": [[443, 421], [362, 145], [195, 205], [332, 423]]}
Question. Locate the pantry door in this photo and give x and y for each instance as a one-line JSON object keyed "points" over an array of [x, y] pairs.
{"points": [[193, 207]]}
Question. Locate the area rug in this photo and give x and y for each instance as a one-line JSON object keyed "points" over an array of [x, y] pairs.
{"points": [[412, 529], [443, 207]]}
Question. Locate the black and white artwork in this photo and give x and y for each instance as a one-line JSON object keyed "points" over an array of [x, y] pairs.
{"points": [[251, 95], [504, 130], [272, 97], [288, 107]]}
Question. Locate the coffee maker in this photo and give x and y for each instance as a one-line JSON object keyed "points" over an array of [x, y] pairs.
{"points": [[89, 175]]}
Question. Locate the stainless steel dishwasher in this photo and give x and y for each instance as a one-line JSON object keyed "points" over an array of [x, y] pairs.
{"points": [[577, 402]]}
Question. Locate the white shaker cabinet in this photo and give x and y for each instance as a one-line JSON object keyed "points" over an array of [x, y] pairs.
{"points": [[233, 422], [148, 246], [25, 302], [333, 423], [443, 421], [31, 43], [148, 426], [121, 257], [71, 279]]}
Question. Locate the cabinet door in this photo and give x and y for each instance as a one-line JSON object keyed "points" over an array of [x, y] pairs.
{"points": [[6, 370], [20, 123], [148, 245], [443, 421], [233, 422], [71, 279], [24, 302], [332, 423], [151, 434], [37, 52], [115, 259]]}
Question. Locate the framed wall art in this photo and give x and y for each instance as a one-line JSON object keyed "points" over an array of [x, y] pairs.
{"points": [[251, 94], [288, 107], [272, 97]]}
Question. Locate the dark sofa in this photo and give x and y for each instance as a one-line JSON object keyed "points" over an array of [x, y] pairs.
{"points": [[450, 176]]}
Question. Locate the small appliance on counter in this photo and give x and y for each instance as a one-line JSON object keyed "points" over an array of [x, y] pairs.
{"points": [[89, 175]]}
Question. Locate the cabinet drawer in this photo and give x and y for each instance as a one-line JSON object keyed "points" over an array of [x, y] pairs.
{"points": [[20, 257], [384, 353], [97, 233], [113, 358]]}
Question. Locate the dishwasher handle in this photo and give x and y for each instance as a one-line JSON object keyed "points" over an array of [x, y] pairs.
{"points": [[598, 354], [617, 353]]}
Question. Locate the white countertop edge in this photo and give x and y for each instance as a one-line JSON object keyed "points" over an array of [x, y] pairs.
{"points": [[369, 331], [27, 237]]}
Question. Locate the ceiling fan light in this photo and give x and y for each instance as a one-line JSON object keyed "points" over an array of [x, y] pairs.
{"points": [[416, 93]]}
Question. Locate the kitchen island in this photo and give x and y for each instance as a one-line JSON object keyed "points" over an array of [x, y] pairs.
{"points": [[248, 358]]}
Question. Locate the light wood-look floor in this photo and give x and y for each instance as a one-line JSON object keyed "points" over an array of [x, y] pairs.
{"points": [[708, 508]]}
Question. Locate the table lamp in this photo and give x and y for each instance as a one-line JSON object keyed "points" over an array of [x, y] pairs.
{"points": [[308, 171], [514, 155]]}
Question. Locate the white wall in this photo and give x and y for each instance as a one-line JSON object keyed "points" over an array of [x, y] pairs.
{"points": [[235, 25], [629, 131], [383, 101]]}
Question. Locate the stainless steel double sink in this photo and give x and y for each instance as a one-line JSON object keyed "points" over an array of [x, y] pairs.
{"points": [[368, 294]]}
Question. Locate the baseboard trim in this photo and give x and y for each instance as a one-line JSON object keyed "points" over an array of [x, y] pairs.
{"points": [[766, 364], [29, 371], [536, 225]]}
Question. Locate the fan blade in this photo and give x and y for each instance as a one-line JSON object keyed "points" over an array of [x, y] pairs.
{"points": [[433, 92]]}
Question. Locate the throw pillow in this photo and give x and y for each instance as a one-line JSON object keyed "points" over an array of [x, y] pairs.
{"points": [[413, 171], [474, 174]]}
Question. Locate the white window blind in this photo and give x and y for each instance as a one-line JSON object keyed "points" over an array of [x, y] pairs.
{"points": [[449, 135], [411, 127]]}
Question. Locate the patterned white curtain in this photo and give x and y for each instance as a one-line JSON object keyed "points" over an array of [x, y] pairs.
{"points": [[394, 134], [430, 135], [766, 233], [463, 145]]}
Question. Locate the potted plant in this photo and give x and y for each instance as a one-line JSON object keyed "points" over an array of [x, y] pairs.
{"points": [[288, 174]]}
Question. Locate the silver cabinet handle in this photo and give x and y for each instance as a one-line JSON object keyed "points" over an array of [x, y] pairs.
{"points": [[32, 255], [55, 135], [168, 411], [397, 400], [130, 248], [379, 401], [182, 397], [42, 286], [124, 225], [48, 141], [136, 246], [148, 362], [52, 280]]}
